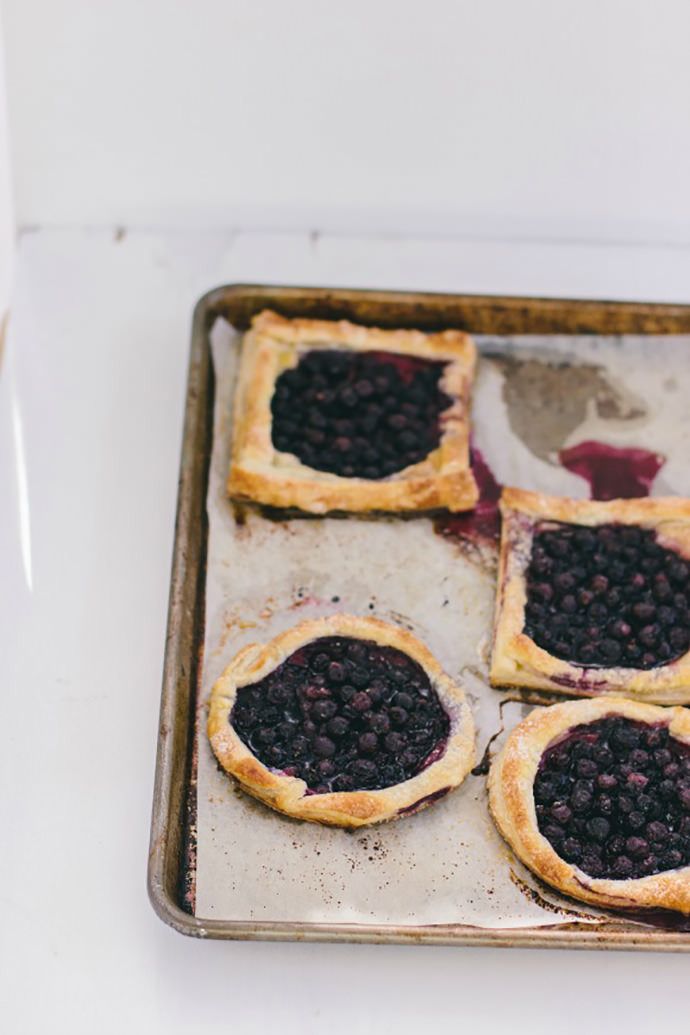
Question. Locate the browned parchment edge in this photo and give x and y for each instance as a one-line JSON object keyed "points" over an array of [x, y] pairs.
{"points": [[171, 876]]}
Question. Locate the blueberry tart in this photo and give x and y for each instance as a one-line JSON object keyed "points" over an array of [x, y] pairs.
{"points": [[332, 416], [342, 720], [594, 597], [594, 797]]}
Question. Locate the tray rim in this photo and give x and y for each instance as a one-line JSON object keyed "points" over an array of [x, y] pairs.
{"points": [[184, 635]]}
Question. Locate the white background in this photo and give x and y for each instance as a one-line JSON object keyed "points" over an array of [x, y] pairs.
{"points": [[504, 133], [535, 118]]}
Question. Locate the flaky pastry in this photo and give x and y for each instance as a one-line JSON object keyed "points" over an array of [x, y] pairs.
{"points": [[342, 720], [593, 597], [594, 797], [332, 416]]}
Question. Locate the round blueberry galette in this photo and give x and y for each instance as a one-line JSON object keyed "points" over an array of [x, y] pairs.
{"points": [[334, 416], [594, 596], [594, 797], [341, 720]]}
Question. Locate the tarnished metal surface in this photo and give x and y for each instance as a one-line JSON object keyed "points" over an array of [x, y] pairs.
{"points": [[337, 903]]}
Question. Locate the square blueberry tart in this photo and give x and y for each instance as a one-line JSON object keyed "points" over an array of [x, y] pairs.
{"points": [[594, 797], [342, 720], [594, 597], [331, 416]]}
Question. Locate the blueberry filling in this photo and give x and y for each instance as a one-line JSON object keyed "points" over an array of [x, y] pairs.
{"points": [[613, 798], [607, 596], [358, 414], [343, 715]]}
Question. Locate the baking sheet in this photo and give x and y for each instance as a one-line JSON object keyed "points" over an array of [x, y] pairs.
{"points": [[447, 865]]}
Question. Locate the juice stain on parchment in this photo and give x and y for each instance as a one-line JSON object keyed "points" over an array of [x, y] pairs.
{"points": [[482, 525], [546, 401], [612, 472]]}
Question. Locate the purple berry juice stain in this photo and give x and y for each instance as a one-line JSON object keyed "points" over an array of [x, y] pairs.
{"points": [[483, 524], [612, 472]]}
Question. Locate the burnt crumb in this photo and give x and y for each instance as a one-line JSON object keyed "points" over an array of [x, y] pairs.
{"points": [[239, 511]]}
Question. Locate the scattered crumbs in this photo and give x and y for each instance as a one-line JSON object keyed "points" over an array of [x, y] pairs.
{"points": [[266, 612], [445, 603]]}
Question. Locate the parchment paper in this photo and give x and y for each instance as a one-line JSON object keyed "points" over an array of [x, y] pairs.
{"points": [[446, 865]]}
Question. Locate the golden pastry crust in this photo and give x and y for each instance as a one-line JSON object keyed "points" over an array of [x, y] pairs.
{"points": [[516, 658], [511, 801], [265, 475], [289, 794]]}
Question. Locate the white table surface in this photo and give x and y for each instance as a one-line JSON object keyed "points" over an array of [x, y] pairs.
{"points": [[91, 394]]}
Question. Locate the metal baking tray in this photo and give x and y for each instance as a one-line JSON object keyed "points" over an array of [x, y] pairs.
{"points": [[172, 855]]}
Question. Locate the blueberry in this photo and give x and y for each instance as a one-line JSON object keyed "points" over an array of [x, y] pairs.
{"points": [[679, 638], [623, 867], [404, 701], [379, 722], [338, 726], [565, 582], [592, 865], [636, 820], [656, 832], [363, 770], [368, 743], [648, 635], [598, 828], [394, 742], [599, 584], [324, 747], [644, 612], [678, 572], [610, 650], [571, 849], [604, 804], [561, 812], [324, 710], [671, 859]]}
